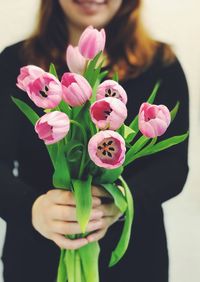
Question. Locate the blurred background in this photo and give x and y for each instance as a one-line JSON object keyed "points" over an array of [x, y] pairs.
{"points": [[176, 22]]}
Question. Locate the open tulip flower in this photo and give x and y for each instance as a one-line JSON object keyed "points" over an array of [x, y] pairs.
{"points": [[45, 91], [92, 42], [108, 113], [111, 88], [52, 127], [153, 120], [75, 61], [27, 75], [76, 89], [107, 149]]}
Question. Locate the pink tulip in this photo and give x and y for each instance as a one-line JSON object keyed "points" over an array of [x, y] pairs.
{"points": [[75, 61], [110, 88], [52, 127], [108, 113], [27, 75], [153, 120], [92, 42], [107, 149], [45, 91], [76, 89]]}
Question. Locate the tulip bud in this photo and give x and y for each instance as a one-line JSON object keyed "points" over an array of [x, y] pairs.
{"points": [[52, 127], [108, 113], [110, 88], [153, 120], [45, 91], [75, 61], [107, 149], [92, 42], [76, 89], [27, 75]]}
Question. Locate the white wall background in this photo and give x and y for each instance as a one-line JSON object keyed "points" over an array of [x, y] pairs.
{"points": [[176, 22]]}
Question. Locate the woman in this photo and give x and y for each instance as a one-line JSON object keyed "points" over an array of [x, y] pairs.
{"points": [[25, 168]]}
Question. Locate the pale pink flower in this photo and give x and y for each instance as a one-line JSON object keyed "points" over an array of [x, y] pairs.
{"points": [[153, 120], [107, 149], [111, 88], [76, 89], [52, 127], [108, 113], [91, 42], [75, 61], [27, 75], [45, 91]]}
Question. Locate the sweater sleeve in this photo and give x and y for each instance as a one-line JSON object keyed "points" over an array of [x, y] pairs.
{"points": [[16, 197], [157, 178]]}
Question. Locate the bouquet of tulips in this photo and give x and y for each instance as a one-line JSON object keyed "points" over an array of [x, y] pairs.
{"points": [[88, 143]]}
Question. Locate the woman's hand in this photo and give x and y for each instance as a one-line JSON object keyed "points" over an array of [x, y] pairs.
{"points": [[54, 215], [110, 213]]}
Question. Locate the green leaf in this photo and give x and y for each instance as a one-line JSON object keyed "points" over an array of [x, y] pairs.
{"points": [[65, 108], [89, 255], [70, 265], [108, 175], [117, 195], [154, 92], [26, 110], [92, 72], [115, 76], [135, 148], [102, 75], [129, 133], [167, 143], [62, 270], [83, 197], [61, 176], [135, 156], [52, 70], [122, 245], [174, 111], [53, 151]]}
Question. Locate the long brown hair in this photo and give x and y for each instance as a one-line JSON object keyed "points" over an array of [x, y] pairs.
{"points": [[130, 51]]}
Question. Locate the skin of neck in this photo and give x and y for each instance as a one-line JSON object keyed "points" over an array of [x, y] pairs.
{"points": [[74, 34]]}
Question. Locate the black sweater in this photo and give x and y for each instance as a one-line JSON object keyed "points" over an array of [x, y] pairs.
{"points": [[27, 256]]}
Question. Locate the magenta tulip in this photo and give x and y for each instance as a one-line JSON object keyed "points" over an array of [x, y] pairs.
{"points": [[108, 113], [76, 89], [153, 120], [52, 127], [75, 61], [110, 88], [45, 91], [92, 42], [27, 75], [107, 149]]}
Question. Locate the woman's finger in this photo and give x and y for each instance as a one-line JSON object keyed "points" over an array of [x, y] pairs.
{"points": [[68, 213], [109, 210], [96, 236], [65, 243], [70, 228], [61, 197], [98, 191]]}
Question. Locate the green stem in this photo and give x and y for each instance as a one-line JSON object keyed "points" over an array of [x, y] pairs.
{"points": [[78, 274], [84, 150]]}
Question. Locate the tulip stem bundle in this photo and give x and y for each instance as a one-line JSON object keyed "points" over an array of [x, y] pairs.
{"points": [[86, 138]]}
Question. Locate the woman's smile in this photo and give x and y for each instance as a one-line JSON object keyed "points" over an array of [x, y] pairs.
{"points": [[90, 6]]}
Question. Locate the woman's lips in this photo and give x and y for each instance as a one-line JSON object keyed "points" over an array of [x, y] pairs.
{"points": [[90, 1], [90, 6]]}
